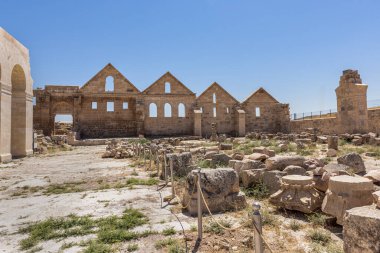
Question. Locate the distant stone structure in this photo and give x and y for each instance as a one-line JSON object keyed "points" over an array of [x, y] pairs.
{"points": [[166, 108], [16, 95], [353, 115]]}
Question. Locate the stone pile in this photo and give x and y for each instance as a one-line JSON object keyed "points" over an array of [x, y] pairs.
{"points": [[118, 150], [220, 188], [45, 143]]}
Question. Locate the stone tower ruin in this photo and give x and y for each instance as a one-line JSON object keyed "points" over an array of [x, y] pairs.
{"points": [[352, 103]]}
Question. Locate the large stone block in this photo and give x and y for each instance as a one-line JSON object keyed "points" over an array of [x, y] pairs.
{"points": [[220, 188], [354, 161], [346, 192], [361, 230], [281, 162]]}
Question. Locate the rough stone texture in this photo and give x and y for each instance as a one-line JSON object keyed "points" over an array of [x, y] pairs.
{"points": [[281, 162], [220, 188], [251, 177], [220, 159], [297, 193], [181, 163], [361, 230], [294, 170], [346, 192], [272, 180], [373, 175], [354, 161], [376, 198], [16, 95], [247, 164], [331, 153], [332, 142]]}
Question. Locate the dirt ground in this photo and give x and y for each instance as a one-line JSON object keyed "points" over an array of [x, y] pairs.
{"points": [[81, 182]]}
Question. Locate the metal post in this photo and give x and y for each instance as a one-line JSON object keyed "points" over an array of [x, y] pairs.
{"points": [[165, 169], [150, 158], [171, 175], [144, 158], [259, 247], [200, 228], [158, 163]]}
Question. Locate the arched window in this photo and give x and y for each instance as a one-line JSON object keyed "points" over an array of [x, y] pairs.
{"points": [[181, 110], [153, 110], [258, 112], [227, 109], [214, 112], [167, 87], [110, 84], [167, 110], [214, 98]]}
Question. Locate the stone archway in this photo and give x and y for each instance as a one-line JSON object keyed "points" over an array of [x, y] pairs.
{"points": [[18, 112]]}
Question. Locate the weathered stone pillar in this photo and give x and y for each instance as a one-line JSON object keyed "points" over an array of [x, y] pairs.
{"points": [[5, 123], [352, 103], [197, 122], [241, 122]]}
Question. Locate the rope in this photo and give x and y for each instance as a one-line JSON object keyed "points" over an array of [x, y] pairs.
{"points": [[231, 229], [212, 216], [183, 229]]}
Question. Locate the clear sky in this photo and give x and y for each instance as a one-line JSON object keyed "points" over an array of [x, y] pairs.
{"points": [[295, 49]]}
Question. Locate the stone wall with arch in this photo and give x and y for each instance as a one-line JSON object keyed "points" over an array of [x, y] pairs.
{"points": [[16, 99]]}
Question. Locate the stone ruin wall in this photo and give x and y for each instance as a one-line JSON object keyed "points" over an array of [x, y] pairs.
{"points": [[231, 116], [136, 120], [225, 107], [179, 94]]}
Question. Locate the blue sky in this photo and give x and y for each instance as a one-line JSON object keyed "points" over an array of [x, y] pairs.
{"points": [[295, 49]]}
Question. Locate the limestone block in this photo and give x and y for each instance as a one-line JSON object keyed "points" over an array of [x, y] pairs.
{"points": [[281, 162], [376, 198], [220, 188], [354, 161], [251, 177], [220, 159], [257, 156], [294, 170], [297, 193], [181, 163], [361, 230], [225, 146], [272, 180], [346, 192], [331, 153], [373, 175], [332, 142]]}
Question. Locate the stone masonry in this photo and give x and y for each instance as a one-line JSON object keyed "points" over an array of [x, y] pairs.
{"points": [[146, 113], [16, 95]]}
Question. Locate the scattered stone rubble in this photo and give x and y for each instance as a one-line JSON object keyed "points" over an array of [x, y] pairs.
{"points": [[43, 144], [118, 149]]}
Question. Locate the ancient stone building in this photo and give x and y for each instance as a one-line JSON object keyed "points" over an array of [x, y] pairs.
{"points": [[16, 94], [167, 107]]}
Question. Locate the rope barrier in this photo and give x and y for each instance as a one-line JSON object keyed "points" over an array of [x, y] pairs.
{"points": [[232, 229]]}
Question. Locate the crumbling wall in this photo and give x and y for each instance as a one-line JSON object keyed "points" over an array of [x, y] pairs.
{"points": [[324, 125], [374, 120]]}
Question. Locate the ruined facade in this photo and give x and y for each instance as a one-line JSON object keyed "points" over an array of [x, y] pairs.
{"points": [[167, 107], [16, 94]]}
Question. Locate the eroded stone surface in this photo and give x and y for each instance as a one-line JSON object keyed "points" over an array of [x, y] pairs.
{"points": [[346, 192], [361, 230], [220, 188], [297, 193]]}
